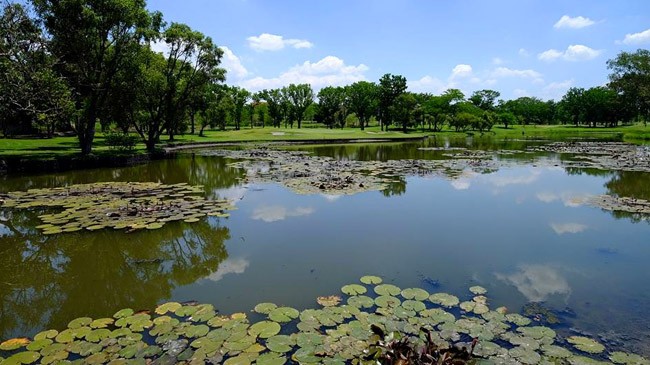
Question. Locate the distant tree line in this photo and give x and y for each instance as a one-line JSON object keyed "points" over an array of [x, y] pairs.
{"points": [[77, 65]]}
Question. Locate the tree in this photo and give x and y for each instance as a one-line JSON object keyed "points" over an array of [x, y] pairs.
{"points": [[331, 102], [484, 99], [390, 88], [572, 104], [31, 93], [170, 81], [506, 118], [239, 98], [219, 108], [300, 97], [362, 100], [630, 77], [275, 105], [403, 109], [92, 38], [600, 106]]}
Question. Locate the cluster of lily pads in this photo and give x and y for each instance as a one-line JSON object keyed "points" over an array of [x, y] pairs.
{"points": [[308, 174], [639, 207], [118, 205], [336, 333], [602, 155]]}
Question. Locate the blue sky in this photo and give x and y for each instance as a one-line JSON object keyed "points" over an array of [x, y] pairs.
{"points": [[518, 47]]}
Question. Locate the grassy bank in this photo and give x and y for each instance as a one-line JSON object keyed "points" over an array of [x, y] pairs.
{"points": [[67, 146]]}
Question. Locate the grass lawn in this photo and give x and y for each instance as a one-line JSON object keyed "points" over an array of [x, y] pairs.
{"points": [[41, 147]]}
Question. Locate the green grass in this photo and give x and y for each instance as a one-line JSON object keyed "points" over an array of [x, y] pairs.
{"points": [[60, 146]]}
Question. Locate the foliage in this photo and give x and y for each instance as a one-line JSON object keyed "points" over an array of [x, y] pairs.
{"points": [[361, 100], [630, 77], [120, 141]]}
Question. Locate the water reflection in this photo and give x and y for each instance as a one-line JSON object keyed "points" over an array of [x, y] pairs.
{"points": [[230, 266], [537, 282], [562, 228], [48, 280], [276, 213]]}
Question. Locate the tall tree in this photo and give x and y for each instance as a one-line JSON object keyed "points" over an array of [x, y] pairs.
{"points": [[403, 109], [631, 78], [239, 98], [331, 100], [300, 97], [92, 38], [485, 99], [572, 104], [390, 88], [362, 100], [31, 93]]}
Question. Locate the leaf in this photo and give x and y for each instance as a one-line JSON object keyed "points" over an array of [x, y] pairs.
{"points": [[353, 289], [168, 307], [387, 289], [415, 294], [280, 343], [264, 329], [444, 299], [14, 343], [25, 357], [478, 290], [265, 308], [586, 344], [283, 314], [371, 280], [329, 301]]}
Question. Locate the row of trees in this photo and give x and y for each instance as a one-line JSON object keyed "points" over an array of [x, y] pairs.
{"points": [[73, 65]]}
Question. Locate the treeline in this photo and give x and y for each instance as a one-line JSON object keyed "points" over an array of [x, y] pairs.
{"points": [[74, 65]]}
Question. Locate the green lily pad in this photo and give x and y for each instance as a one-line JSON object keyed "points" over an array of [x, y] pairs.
{"points": [[283, 314], [361, 301], [586, 344], [25, 357], [280, 343], [387, 289], [308, 340], [387, 301], [444, 299], [518, 319], [265, 308], [437, 316], [478, 290], [168, 307], [196, 331], [628, 359], [126, 312], [415, 294], [38, 345], [101, 323], [414, 305], [537, 332], [583, 360], [264, 329], [80, 322], [353, 289], [46, 334], [371, 280], [98, 335], [557, 352], [524, 355], [271, 358]]}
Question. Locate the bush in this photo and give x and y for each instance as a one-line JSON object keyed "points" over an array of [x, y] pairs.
{"points": [[120, 141]]}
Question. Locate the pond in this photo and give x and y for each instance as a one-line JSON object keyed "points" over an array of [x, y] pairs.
{"points": [[516, 225]]}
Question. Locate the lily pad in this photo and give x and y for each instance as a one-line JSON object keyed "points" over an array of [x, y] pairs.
{"points": [[444, 299], [14, 343], [387, 289], [387, 301], [280, 343], [264, 329], [537, 332], [586, 344], [46, 334], [414, 305], [518, 319], [371, 280], [628, 359], [283, 314], [478, 290], [25, 357], [168, 307], [415, 294], [329, 301], [80, 322], [524, 355], [265, 308], [353, 289], [271, 358], [361, 301]]}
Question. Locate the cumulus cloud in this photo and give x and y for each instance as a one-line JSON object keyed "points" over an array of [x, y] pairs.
{"points": [[505, 180], [575, 52], [505, 72], [523, 52], [576, 22], [537, 282], [555, 90], [427, 84], [274, 42], [637, 38], [277, 213], [562, 228], [497, 61], [330, 70], [230, 266], [460, 71], [232, 64]]}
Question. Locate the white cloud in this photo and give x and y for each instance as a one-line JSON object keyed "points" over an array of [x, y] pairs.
{"points": [[546, 197], [520, 93], [576, 23], [637, 38], [537, 282], [562, 228], [503, 72], [232, 64], [555, 90], [160, 46], [277, 213], [427, 84], [273, 42], [523, 52], [461, 184], [230, 266], [504, 180], [497, 61], [330, 70], [575, 52], [460, 71]]}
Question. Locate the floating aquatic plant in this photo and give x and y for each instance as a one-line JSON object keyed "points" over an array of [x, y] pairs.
{"points": [[396, 327], [117, 205]]}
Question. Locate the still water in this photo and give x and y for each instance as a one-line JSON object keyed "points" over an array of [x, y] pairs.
{"points": [[514, 230]]}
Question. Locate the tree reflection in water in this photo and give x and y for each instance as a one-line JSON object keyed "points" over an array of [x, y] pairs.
{"points": [[47, 280]]}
